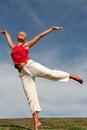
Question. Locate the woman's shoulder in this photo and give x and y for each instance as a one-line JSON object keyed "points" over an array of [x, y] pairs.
{"points": [[26, 46]]}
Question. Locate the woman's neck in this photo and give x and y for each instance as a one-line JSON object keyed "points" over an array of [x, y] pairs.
{"points": [[21, 42]]}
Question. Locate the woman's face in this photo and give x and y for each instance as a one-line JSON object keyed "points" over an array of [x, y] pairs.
{"points": [[22, 36]]}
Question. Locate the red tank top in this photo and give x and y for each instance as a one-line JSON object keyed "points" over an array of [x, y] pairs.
{"points": [[19, 54]]}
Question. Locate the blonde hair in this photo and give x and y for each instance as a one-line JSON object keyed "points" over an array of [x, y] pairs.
{"points": [[22, 32]]}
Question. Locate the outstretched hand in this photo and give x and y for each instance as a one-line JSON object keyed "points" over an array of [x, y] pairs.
{"points": [[57, 28], [3, 31]]}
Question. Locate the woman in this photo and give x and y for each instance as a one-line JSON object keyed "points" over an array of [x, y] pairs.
{"points": [[29, 69]]}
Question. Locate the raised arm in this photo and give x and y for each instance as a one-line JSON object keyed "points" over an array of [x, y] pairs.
{"points": [[38, 37], [8, 37]]}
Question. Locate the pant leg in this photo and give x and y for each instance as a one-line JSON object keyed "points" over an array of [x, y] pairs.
{"points": [[30, 91], [38, 70]]}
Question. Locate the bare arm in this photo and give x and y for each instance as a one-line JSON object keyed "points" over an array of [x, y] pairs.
{"points": [[38, 37], [8, 37]]}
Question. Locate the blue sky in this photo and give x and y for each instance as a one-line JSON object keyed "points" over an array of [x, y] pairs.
{"points": [[64, 50]]}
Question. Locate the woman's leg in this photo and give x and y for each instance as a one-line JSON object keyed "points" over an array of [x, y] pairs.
{"points": [[37, 123], [38, 70], [32, 98]]}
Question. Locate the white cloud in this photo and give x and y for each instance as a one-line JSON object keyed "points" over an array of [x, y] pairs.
{"points": [[12, 98], [62, 99]]}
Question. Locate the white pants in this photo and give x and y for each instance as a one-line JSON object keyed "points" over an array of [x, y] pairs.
{"points": [[30, 71]]}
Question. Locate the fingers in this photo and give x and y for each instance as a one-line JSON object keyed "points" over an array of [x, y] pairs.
{"points": [[57, 27], [60, 28]]}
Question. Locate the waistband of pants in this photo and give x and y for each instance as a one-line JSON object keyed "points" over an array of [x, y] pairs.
{"points": [[29, 62]]}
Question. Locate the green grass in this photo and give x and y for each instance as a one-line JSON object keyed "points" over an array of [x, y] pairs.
{"points": [[47, 124]]}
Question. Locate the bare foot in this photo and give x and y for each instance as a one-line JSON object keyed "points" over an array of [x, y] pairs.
{"points": [[37, 125], [77, 78]]}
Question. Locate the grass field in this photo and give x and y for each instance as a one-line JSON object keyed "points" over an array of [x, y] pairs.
{"points": [[47, 124]]}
